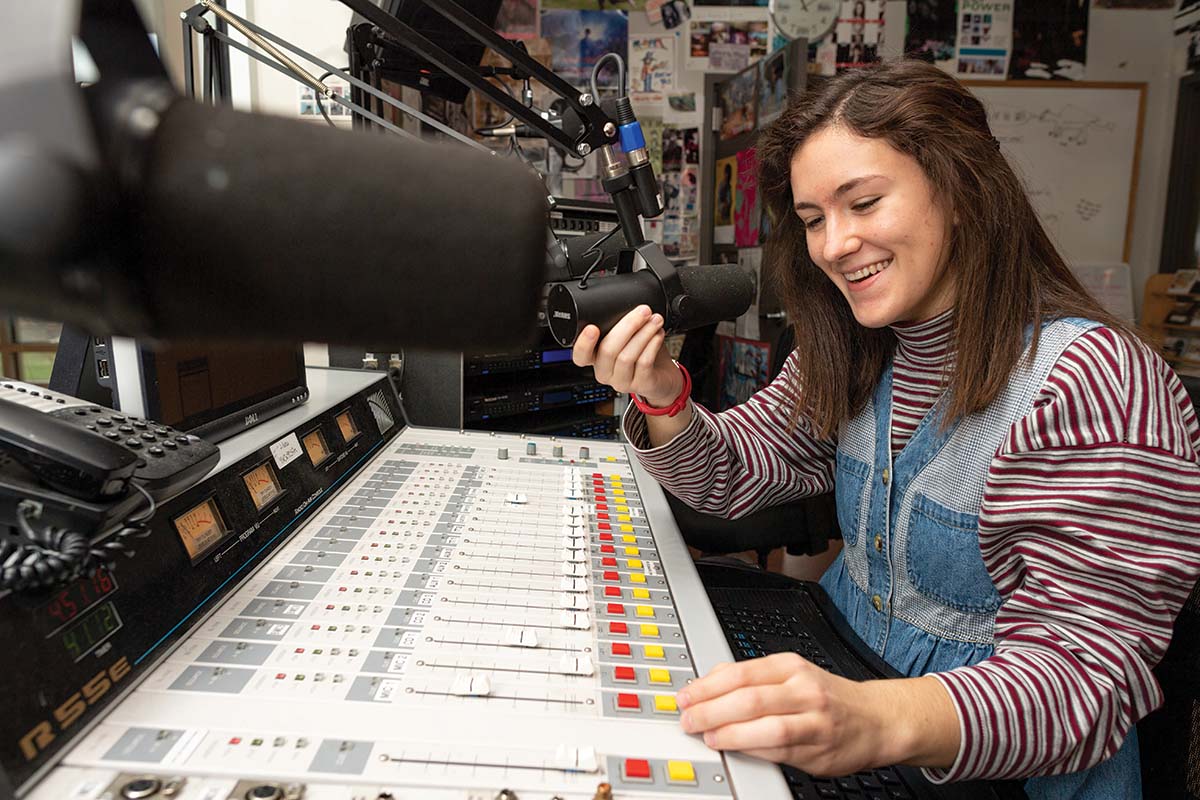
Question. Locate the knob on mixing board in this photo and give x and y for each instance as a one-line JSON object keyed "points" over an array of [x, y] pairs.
{"points": [[142, 787], [558, 451], [502, 453], [584, 452], [531, 449]]}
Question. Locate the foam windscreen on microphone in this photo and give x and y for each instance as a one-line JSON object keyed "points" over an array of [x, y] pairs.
{"points": [[272, 228], [715, 292]]}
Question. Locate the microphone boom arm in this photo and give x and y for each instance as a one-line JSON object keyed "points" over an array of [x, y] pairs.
{"points": [[598, 129]]}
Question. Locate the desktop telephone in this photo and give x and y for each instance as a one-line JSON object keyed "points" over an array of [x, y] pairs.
{"points": [[71, 470]]}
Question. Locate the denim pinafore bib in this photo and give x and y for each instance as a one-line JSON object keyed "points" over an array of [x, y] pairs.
{"points": [[910, 578]]}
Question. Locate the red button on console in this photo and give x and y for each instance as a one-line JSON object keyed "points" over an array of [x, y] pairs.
{"points": [[616, 608], [624, 674], [607, 548], [637, 769], [608, 562], [612, 576], [620, 649], [606, 537], [628, 701], [602, 506], [604, 526], [602, 515], [612, 591], [618, 628]]}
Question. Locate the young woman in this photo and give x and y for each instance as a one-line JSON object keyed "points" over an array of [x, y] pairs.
{"points": [[1016, 472]]}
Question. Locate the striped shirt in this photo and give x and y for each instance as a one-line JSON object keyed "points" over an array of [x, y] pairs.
{"points": [[1089, 529]]}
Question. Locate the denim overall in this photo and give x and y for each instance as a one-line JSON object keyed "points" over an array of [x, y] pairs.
{"points": [[910, 578]]}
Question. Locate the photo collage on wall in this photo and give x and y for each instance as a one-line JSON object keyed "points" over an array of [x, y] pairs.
{"points": [[680, 180], [747, 101]]}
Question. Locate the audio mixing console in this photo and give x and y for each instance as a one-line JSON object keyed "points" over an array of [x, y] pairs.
{"points": [[452, 615]]}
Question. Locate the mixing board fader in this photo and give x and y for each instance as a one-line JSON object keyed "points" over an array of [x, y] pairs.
{"points": [[469, 613]]}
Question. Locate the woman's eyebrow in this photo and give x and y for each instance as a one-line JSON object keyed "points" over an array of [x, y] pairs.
{"points": [[838, 192]]}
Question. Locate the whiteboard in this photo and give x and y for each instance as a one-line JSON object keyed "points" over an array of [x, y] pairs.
{"points": [[1076, 147]]}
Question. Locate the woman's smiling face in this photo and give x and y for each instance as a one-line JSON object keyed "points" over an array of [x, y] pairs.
{"points": [[873, 226]]}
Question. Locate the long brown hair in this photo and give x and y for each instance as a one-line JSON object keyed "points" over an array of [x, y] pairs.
{"points": [[1007, 271]]}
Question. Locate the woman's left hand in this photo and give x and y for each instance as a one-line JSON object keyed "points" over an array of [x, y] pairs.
{"points": [[785, 709]]}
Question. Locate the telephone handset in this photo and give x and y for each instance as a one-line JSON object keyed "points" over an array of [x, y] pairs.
{"points": [[166, 460], [70, 470], [63, 456]]}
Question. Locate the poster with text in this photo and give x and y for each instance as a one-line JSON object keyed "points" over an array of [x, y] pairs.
{"points": [[652, 63], [984, 39]]}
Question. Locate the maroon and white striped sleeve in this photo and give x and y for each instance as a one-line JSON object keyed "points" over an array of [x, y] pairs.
{"points": [[1090, 530], [740, 460]]}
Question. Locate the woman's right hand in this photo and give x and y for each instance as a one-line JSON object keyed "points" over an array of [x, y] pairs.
{"points": [[631, 357]]}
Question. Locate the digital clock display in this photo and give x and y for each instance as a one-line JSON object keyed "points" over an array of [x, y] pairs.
{"points": [[92, 628], [77, 598], [314, 445], [346, 426], [201, 528], [262, 485]]}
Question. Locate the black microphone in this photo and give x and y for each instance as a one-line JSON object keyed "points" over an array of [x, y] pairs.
{"points": [[593, 253], [709, 294], [220, 224], [257, 225]]}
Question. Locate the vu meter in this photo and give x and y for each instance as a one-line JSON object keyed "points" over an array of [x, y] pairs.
{"points": [[200, 528], [262, 485], [314, 445], [346, 426]]}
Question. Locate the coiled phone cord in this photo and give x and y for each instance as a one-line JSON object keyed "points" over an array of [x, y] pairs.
{"points": [[52, 556]]}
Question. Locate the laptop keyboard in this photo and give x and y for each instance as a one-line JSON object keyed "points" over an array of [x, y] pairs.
{"points": [[755, 632]]}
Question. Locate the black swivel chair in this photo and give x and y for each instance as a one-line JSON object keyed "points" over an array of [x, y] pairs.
{"points": [[804, 527]]}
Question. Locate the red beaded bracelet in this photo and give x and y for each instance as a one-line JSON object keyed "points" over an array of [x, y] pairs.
{"points": [[673, 409]]}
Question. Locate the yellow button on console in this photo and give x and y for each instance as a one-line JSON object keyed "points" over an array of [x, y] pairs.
{"points": [[653, 651], [665, 703], [628, 538], [619, 492], [637, 577], [632, 551], [640, 594], [622, 509], [650, 631], [634, 563], [645, 611], [660, 675], [681, 772], [610, 458], [623, 518]]}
